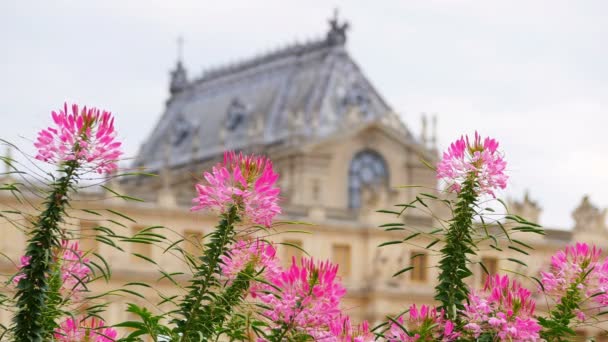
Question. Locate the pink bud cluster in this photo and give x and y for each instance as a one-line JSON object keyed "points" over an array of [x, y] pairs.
{"points": [[79, 330], [478, 160], [25, 261], [259, 253], [247, 182], [578, 267], [86, 136], [504, 310], [424, 324]]}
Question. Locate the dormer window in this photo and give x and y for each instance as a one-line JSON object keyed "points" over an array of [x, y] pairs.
{"points": [[357, 96], [181, 130], [236, 115]]}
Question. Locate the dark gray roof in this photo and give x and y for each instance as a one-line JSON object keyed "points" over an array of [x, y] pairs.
{"points": [[310, 90]]}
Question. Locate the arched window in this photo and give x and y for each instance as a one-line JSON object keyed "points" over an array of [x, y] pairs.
{"points": [[367, 168]]}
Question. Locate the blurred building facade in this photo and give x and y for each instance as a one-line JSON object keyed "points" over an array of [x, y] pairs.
{"points": [[341, 153]]}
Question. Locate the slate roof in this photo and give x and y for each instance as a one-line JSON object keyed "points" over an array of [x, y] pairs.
{"points": [[306, 90]]}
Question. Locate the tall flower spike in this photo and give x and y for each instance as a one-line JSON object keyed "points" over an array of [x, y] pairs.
{"points": [[247, 182], [481, 161], [86, 136]]}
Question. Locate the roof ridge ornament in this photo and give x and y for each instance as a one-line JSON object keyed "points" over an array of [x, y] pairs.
{"points": [[179, 76], [337, 30]]}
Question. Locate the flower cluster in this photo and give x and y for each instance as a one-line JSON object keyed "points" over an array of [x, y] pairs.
{"points": [[579, 268], [25, 261], [247, 182], [425, 324], [72, 267], [477, 161], [342, 330], [86, 136], [309, 297], [503, 310], [263, 256], [90, 330]]}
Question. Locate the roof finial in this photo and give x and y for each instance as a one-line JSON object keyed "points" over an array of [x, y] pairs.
{"points": [[423, 131], [337, 30], [8, 159], [179, 77], [180, 49], [434, 131]]}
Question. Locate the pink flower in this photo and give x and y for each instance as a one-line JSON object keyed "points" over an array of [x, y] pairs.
{"points": [[85, 136], [74, 269], [503, 309], [578, 267], [90, 329], [247, 182], [309, 297], [341, 330], [25, 261], [263, 256], [424, 324], [482, 162]]}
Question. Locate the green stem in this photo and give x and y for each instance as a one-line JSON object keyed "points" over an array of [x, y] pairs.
{"points": [[192, 308], [452, 290], [33, 290], [225, 303], [557, 326]]}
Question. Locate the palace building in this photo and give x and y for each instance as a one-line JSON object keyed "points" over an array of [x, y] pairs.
{"points": [[342, 153]]}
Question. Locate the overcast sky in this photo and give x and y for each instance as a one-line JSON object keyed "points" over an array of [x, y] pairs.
{"points": [[533, 74]]}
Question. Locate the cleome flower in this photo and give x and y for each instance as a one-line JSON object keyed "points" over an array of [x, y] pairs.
{"points": [[425, 324], [247, 182], [478, 161], [503, 310], [309, 297], [72, 267], [86, 136], [84, 330], [263, 256], [577, 267], [341, 330]]}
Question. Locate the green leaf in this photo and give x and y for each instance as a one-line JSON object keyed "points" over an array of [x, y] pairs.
{"points": [[519, 250], [432, 243], [395, 242], [517, 261], [403, 270], [411, 236], [384, 211]]}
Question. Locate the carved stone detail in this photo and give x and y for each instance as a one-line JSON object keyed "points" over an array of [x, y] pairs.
{"points": [[588, 217]]}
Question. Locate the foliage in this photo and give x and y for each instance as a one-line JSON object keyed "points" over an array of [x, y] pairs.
{"points": [[238, 291]]}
